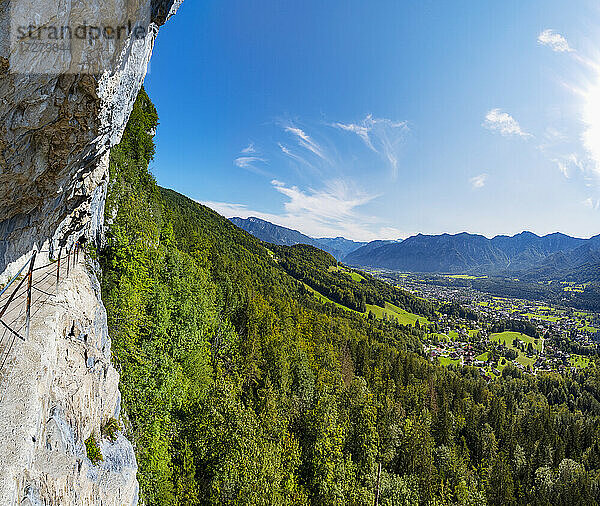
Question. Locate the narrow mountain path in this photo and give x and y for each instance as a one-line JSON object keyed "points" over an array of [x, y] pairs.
{"points": [[13, 301]]}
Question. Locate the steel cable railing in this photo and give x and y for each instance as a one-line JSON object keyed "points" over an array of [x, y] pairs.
{"points": [[28, 291]]}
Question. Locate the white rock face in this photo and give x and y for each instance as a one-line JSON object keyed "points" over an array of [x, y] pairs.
{"points": [[56, 130], [57, 126], [59, 388]]}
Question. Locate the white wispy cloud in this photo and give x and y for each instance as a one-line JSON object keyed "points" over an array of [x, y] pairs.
{"points": [[246, 162], [334, 210], [503, 123], [294, 156], [590, 115], [360, 130], [306, 141], [337, 201], [588, 90], [553, 134], [229, 210], [381, 135], [284, 149], [249, 158], [592, 203], [581, 154], [478, 181], [566, 149], [567, 164], [559, 44], [554, 41]]}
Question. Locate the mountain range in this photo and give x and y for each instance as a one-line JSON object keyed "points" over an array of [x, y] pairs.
{"points": [[338, 247], [553, 256], [525, 254]]}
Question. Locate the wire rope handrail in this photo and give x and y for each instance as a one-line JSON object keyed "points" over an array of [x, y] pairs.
{"points": [[30, 292]]}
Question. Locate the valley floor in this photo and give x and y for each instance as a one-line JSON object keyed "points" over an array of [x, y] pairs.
{"points": [[561, 337]]}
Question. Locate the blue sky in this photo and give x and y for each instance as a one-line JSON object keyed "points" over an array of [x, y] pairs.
{"points": [[384, 119]]}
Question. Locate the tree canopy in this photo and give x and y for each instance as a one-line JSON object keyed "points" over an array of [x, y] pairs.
{"points": [[241, 387]]}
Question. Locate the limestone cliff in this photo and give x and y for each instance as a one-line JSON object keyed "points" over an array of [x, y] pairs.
{"points": [[56, 128], [57, 125], [59, 389]]}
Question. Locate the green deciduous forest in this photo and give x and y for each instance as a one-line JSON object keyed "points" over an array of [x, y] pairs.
{"points": [[313, 267], [241, 387]]}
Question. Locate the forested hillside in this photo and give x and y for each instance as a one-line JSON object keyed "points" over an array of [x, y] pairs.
{"points": [[318, 270], [242, 388]]}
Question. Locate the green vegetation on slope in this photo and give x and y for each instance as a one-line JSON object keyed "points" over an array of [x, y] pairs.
{"points": [[320, 271], [392, 312], [509, 338], [527, 345], [242, 388]]}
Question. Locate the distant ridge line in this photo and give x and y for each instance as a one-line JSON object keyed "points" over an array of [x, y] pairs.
{"points": [[551, 256]]}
